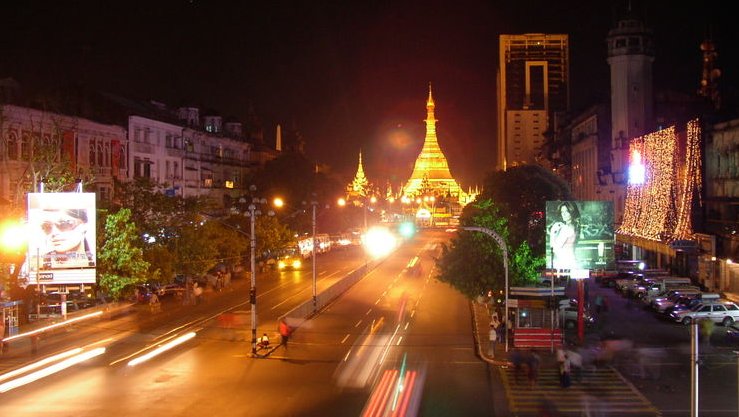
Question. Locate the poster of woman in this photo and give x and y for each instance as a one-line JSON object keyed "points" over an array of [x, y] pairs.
{"points": [[62, 237], [579, 234]]}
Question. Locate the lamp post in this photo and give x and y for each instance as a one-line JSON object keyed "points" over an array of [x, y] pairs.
{"points": [[253, 213], [314, 204]]}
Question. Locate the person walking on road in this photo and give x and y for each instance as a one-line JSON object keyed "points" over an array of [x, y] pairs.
{"points": [[517, 359], [576, 364], [533, 362], [154, 305], [564, 372], [284, 333]]}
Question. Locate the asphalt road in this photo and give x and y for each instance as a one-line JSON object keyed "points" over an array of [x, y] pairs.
{"points": [[339, 363]]}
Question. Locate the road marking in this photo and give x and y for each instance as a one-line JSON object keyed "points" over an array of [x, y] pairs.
{"points": [[603, 388]]}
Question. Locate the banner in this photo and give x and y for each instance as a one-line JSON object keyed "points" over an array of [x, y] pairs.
{"points": [[61, 247], [580, 235]]}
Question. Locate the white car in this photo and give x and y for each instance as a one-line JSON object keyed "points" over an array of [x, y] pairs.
{"points": [[725, 313]]}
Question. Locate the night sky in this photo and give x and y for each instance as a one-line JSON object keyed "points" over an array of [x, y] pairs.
{"points": [[347, 74]]}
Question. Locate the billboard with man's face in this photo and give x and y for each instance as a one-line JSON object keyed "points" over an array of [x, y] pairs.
{"points": [[61, 246], [579, 235]]}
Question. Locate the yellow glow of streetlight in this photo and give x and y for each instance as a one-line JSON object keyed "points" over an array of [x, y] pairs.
{"points": [[373, 199], [278, 202], [12, 235], [341, 202]]}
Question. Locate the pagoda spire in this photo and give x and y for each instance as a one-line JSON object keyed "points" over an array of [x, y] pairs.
{"points": [[430, 119], [359, 185], [431, 171]]}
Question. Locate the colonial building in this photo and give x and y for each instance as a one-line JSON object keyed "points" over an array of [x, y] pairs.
{"points": [[33, 141]]}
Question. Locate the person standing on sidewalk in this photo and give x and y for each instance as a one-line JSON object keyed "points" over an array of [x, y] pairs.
{"points": [[493, 336]]}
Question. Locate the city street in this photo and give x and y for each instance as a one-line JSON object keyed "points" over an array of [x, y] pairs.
{"points": [[388, 322]]}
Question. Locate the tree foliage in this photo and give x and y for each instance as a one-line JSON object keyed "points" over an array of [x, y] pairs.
{"points": [[521, 194], [512, 205], [472, 263], [122, 264]]}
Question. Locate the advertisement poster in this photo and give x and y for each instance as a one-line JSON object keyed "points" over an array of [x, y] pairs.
{"points": [[61, 247], [580, 235]]}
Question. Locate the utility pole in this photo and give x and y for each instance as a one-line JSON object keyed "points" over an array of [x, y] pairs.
{"points": [[314, 203], [253, 287], [694, 363]]}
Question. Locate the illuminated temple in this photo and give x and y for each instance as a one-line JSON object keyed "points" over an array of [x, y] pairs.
{"points": [[431, 175]]}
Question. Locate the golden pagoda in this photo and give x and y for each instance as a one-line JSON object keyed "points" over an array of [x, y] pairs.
{"points": [[359, 187], [431, 175]]}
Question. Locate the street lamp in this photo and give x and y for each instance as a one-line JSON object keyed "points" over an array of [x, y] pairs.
{"points": [[314, 204], [253, 213]]}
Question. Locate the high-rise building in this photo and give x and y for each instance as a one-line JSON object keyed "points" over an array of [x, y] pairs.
{"points": [[533, 93]]}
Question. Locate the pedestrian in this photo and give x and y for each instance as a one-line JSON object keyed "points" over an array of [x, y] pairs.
{"points": [[284, 332], [533, 362], [154, 305], [598, 304], [2, 335], [575, 364], [517, 359], [564, 372], [263, 342], [34, 343], [706, 329], [493, 336], [197, 291]]}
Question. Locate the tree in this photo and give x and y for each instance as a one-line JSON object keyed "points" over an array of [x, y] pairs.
{"points": [[525, 266], [121, 263], [524, 206], [472, 263]]}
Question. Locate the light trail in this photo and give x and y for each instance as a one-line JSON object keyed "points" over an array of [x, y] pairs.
{"points": [[161, 349], [57, 367], [53, 326]]}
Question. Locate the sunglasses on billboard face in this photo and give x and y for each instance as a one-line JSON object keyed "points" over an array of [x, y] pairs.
{"points": [[61, 225]]}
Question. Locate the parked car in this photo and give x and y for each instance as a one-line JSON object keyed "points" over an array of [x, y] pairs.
{"points": [[688, 301], [732, 334], [568, 314], [725, 313]]}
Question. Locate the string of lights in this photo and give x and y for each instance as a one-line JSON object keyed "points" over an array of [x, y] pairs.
{"points": [[660, 207]]}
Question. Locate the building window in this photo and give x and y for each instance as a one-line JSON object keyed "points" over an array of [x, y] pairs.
{"points": [[137, 135], [168, 142], [26, 147], [91, 145], [100, 155], [12, 150]]}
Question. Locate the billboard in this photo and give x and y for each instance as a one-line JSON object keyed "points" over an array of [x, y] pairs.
{"points": [[580, 235], [61, 241]]}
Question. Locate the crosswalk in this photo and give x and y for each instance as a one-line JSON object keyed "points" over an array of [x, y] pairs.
{"points": [[601, 392]]}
